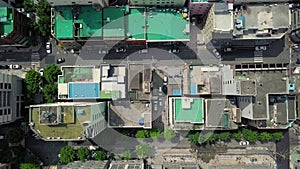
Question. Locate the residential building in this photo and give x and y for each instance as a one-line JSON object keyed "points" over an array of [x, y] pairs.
{"points": [[67, 121], [158, 3], [249, 26], [91, 164], [11, 98], [136, 164], [199, 7], [95, 3]]}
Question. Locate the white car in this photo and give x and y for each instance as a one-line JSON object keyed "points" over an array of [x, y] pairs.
{"points": [[244, 143], [41, 72], [48, 48], [16, 66]]}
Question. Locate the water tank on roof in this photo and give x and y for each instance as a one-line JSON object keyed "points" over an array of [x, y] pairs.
{"points": [[272, 100]]}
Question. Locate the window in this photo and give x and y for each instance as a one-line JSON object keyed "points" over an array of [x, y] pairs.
{"points": [[9, 85], [5, 86], [5, 111], [1, 112], [8, 111], [1, 85]]}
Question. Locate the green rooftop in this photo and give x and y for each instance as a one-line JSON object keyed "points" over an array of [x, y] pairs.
{"points": [[113, 22], [166, 24], [6, 20], [136, 23], [63, 22], [109, 94], [189, 110], [76, 74]]}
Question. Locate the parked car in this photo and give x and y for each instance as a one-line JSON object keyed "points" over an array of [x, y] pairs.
{"points": [[16, 66], [41, 72], [165, 80], [48, 48], [121, 50], [298, 61], [143, 51], [174, 50], [60, 60], [244, 143]]}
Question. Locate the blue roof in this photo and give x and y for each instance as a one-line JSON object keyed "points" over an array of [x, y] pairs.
{"points": [[83, 90], [176, 92], [193, 89]]}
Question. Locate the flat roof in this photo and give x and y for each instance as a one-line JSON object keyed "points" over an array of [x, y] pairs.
{"points": [[90, 27], [136, 23], [114, 22], [189, 110], [166, 24], [216, 112], [6, 20], [63, 22], [83, 90], [76, 74]]}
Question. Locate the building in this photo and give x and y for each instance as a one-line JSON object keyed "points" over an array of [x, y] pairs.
{"points": [[136, 164], [199, 7], [67, 121], [157, 3], [132, 25], [250, 26], [11, 98], [91, 164], [96, 3]]}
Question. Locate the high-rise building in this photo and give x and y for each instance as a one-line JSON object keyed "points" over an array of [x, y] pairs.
{"points": [[10, 98]]}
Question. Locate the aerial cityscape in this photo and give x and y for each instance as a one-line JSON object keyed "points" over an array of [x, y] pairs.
{"points": [[149, 84]]}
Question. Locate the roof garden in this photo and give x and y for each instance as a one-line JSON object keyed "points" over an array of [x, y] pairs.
{"points": [[62, 130], [166, 24], [6, 20], [113, 22], [63, 25], [189, 110], [76, 74], [136, 23]]}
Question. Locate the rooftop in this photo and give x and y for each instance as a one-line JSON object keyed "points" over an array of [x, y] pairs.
{"points": [[114, 22], [188, 110], [167, 24], [128, 115], [91, 164], [136, 23], [6, 21]]}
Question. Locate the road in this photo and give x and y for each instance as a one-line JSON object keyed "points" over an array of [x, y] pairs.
{"points": [[284, 146]]}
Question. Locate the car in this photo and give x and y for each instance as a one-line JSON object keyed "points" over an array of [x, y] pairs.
{"points": [[121, 50], [41, 72], [244, 143], [165, 80], [160, 90], [174, 50], [1, 137], [16, 66], [143, 51], [60, 60], [200, 42], [48, 48], [298, 61]]}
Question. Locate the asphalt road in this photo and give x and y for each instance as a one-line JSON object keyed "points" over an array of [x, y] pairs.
{"points": [[284, 146]]}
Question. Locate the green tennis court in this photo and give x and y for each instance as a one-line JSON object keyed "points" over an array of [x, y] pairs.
{"points": [[189, 110]]}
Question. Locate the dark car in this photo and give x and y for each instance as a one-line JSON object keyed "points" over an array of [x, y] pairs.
{"points": [[298, 61], [60, 60]]}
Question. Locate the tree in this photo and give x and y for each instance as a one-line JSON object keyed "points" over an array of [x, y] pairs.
{"points": [[43, 8], [29, 5], [142, 150], [100, 155], [51, 73], [264, 137], [277, 136], [169, 134], [50, 92], [194, 138], [29, 166], [142, 134], [155, 133], [224, 136], [208, 138], [249, 135], [126, 155], [83, 153], [44, 23], [67, 154], [237, 136], [32, 80], [15, 135]]}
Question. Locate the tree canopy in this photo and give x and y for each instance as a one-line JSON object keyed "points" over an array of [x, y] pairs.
{"points": [[43, 11], [264, 137], [142, 134], [50, 92], [169, 134], [224, 136], [100, 155], [29, 166], [155, 133], [51, 73], [142, 150], [32, 80], [126, 155], [237, 136], [250, 135], [83, 153], [194, 138], [67, 155], [29, 6], [277, 136]]}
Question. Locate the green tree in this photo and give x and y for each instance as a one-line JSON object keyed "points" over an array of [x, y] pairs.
{"points": [[100, 155], [126, 155], [194, 138], [50, 92], [43, 8], [207, 138], [142, 134], [169, 134], [29, 5], [250, 135], [237, 136], [224, 136], [32, 80], [142, 150], [277, 136], [51, 73], [15, 135], [67, 155], [29, 166], [155, 133], [264, 137], [83, 153], [44, 23]]}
